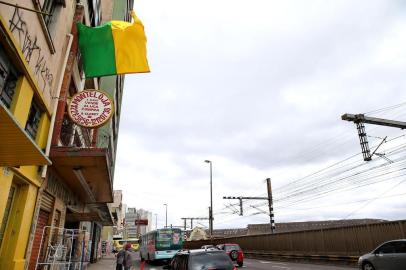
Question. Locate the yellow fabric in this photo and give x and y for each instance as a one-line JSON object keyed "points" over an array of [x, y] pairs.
{"points": [[130, 46]]}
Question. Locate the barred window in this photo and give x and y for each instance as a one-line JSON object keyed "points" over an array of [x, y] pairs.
{"points": [[33, 119], [8, 78]]}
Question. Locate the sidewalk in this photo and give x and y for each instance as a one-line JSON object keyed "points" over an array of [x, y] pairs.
{"points": [[107, 263]]}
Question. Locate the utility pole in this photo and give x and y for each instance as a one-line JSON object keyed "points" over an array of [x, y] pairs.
{"points": [[138, 225], [270, 204], [359, 120], [156, 221], [211, 199], [166, 215], [269, 199]]}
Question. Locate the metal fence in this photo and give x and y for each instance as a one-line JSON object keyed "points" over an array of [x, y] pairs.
{"points": [[63, 249], [352, 240]]}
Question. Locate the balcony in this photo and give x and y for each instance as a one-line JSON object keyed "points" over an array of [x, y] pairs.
{"points": [[17, 148], [85, 169]]}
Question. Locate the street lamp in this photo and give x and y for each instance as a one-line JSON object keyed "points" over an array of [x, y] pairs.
{"points": [[166, 215], [211, 199]]}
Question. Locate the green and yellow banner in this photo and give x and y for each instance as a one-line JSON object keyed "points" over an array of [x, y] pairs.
{"points": [[116, 47]]}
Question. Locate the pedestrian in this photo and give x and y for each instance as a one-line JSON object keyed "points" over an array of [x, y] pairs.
{"points": [[120, 259], [128, 257]]}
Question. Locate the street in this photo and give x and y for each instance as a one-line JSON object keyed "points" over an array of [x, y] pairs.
{"points": [[254, 264], [249, 264]]}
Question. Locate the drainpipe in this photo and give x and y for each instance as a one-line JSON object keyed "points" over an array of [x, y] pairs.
{"points": [[55, 102]]}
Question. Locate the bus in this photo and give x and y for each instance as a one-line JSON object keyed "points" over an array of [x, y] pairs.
{"points": [[161, 244]]}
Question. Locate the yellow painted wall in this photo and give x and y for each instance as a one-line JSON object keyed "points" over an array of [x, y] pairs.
{"points": [[13, 250], [12, 253], [107, 233], [22, 99], [43, 128]]}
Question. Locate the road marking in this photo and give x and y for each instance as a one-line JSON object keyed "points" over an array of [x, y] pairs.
{"points": [[265, 262], [284, 267]]}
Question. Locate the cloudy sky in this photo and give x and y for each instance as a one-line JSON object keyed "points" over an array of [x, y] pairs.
{"points": [[258, 87]]}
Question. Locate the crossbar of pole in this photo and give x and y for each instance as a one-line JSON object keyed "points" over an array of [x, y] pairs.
{"points": [[196, 218], [361, 118], [191, 220], [240, 198], [245, 198]]}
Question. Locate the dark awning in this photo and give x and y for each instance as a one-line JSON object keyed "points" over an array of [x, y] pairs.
{"points": [[86, 171]]}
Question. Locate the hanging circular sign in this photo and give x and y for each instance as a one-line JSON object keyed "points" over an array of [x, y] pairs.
{"points": [[90, 108]]}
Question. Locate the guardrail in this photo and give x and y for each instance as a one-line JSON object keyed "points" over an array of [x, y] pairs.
{"points": [[258, 254]]}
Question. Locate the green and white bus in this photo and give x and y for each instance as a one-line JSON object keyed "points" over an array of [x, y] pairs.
{"points": [[161, 244]]}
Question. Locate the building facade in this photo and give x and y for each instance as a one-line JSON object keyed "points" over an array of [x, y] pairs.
{"points": [[131, 229], [33, 47], [115, 231], [56, 178]]}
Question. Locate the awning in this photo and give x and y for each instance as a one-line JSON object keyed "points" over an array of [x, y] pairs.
{"points": [[104, 211], [98, 212], [76, 217], [17, 148], [86, 171]]}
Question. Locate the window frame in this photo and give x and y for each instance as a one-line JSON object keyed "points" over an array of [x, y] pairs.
{"points": [[47, 21], [33, 128], [10, 70]]}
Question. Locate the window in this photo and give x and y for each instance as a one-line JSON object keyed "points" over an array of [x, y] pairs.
{"points": [[8, 78], [386, 248], [229, 248], [52, 8], [94, 12], [210, 260], [33, 120], [48, 6], [400, 246]]}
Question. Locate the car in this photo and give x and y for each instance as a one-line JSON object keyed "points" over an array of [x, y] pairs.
{"points": [[390, 255], [119, 244], [208, 247], [234, 251], [201, 259]]}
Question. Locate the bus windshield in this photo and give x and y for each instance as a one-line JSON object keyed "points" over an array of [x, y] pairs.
{"points": [[169, 239]]}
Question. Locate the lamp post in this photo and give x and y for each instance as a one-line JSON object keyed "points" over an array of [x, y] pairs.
{"points": [[211, 199], [166, 215], [156, 221]]}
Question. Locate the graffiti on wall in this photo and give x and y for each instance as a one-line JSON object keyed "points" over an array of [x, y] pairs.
{"points": [[31, 50]]}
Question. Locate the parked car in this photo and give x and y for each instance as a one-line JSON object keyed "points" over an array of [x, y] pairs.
{"points": [[201, 259], [388, 256], [234, 251], [208, 247], [119, 244]]}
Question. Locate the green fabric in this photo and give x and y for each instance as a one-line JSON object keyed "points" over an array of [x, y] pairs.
{"points": [[97, 48]]}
